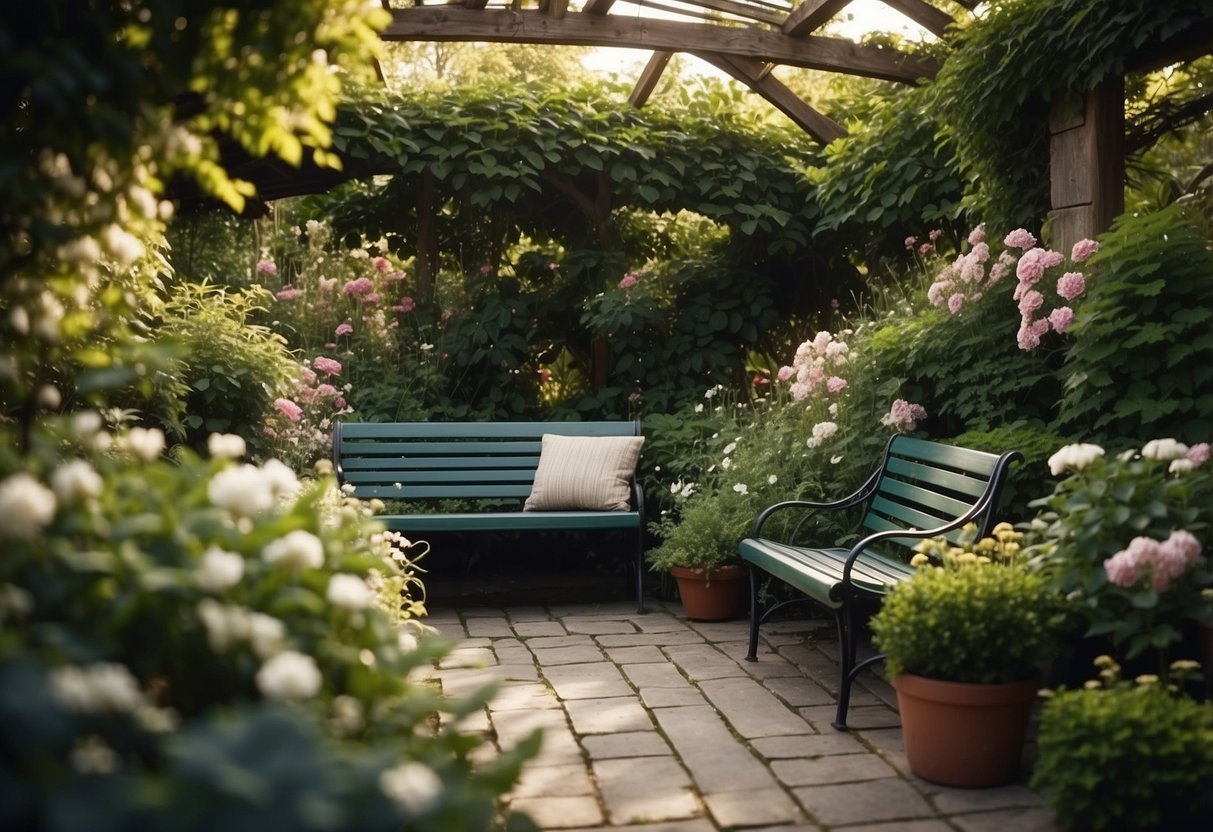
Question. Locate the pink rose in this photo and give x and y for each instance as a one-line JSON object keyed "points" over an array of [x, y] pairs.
{"points": [[1027, 338], [343, 329], [977, 234], [288, 409], [382, 265], [327, 365], [955, 303], [785, 373], [1019, 238], [1070, 285], [1030, 301], [834, 384], [1061, 318], [1083, 249], [628, 281]]}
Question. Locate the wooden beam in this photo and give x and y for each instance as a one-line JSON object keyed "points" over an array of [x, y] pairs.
{"points": [[554, 8], [924, 14], [811, 15], [597, 6], [764, 14], [451, 23], [649, 78], [755, 75]]}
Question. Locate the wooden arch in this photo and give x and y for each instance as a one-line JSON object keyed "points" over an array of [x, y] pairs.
{"points": [[743, 38]]}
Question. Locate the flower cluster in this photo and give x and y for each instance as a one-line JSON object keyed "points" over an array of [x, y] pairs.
{"points": [[1035, 320], [300, 425], [967, 279], [903, 416], [1155, 562], [816, 366], [1002, 546]]}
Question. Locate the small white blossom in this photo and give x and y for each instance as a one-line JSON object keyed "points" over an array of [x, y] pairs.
{"points": [[104, 687], [76, 480], [295, 550], [772, 479], [144, 444], [349, 592], [92, 755], [242, 490], [413, 786], [726, 463], [1164, 449], [225, 446], [266, 634], [289, 675], [220, 570], [282, 480], [26, 507], [741, 488], [699, 408], [406, 641], [226, 625], [1077, 456], [1181, 466], [729, 448]]}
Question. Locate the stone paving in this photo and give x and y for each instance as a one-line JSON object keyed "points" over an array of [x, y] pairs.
{"points": [[657, 724]]}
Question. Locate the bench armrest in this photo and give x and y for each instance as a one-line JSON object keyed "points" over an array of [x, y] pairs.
{"points": [[855, 498]]}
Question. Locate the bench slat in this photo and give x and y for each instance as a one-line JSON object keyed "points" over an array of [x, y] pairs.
{"points": [[356, 463], [904, 469], [915, 495], [906, 517], [511, 521], [951, 456], [420, 478], [370, 450], [466, 491], [485, 430]]}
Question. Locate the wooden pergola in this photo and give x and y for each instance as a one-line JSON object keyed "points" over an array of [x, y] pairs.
{"points": [[745, 39]]}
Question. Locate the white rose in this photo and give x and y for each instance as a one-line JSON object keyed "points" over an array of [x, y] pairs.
{"points": [[98, 688], [266, 634], [225, 446], [75, 480], [241, 490], [413, 786], [1164, 449], [220, 570], [289, 675], [349, 592], [144, 443], [225, 625], [26, 507], [1076, 456], [295, 550], [282, 480]]}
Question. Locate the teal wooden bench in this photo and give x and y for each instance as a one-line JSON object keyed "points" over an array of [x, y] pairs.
{"points": [[920, 490], [495, 461]]}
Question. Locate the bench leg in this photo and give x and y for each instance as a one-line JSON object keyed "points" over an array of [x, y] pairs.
{"points": [[846, 655], [755, 616], [640, 610]]}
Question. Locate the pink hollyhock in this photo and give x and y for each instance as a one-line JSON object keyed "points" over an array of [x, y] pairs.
{"points": [[382, 265], [343, 329], [1070, 285], [267, 267], [1019, 238], [785, 373], [1083, 249], [955, 303], [1030, 301], [628, 281], [977, 234], [1198, 454], [834, 384], [288, 293], [1061, 318], [361, 286], [407, 304], [288, 409], [327, 365]]}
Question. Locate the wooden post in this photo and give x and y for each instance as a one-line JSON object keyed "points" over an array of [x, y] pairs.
{"points": [[1087, 165]]}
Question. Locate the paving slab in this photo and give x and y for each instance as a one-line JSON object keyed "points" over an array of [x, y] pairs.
{"points": [[836, 768], [752, 710], [608, 716], [889, 798], [568, 780], [626, 744], [756, 807], [661, 639], [703, 661], [560, 812], [594, 680], [717, 762], [645, 789]]}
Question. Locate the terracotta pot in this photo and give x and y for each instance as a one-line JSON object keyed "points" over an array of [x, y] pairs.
{"points": [[961, 734], [711, 595]]}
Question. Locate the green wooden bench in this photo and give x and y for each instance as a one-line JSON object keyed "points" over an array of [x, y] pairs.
{"points": [[920, 490], [475, 461]]}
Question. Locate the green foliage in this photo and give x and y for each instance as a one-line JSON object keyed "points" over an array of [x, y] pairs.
{"points": [[1022, 483], [1021, 57], [230, 369], [978, 623], [1097, 511], [1140, 361], [187, 644], [706, 533], [1126, 759]]}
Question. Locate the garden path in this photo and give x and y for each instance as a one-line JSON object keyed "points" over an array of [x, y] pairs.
{"points": [[654, 723]]}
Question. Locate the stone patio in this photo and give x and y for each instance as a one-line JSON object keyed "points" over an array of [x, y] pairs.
{"points": [[653, 722]]}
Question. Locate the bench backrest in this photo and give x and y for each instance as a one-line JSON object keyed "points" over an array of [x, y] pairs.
{"points": [[925, 485], [449, 460]]}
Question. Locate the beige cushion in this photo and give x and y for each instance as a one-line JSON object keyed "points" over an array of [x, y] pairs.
{"points": [[584, 472]]}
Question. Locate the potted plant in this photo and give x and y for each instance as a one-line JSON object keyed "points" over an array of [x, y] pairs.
{"points": [[963, 639], [699, 549]]}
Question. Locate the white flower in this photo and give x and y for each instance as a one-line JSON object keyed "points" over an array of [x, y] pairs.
{"points": [[144, 444], [1164, 449], [266, 634], [122, 245], [729, 448], [699, 408], [741, 488], [98, 688], [225, 625], [282, 480], [349, 592], [834, 460], [295, 550], [821, 432], [26, 507], [772, 479], [220, 570], [289, 675], [726, 463], [75, 480], [92, 755], [407, 642], [86, 423], [413, 786], [1076, 456], [1181, 466], [242, 490], [225, 446]]}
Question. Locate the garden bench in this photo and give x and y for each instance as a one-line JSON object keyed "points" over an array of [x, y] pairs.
{"points": [[920, 490], [497, 461]]}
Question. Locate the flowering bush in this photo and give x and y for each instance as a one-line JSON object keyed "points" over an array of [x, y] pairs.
{"points": [[1120, 539], [972, 612], [193, 642], [1119, 755], [300, 427]]}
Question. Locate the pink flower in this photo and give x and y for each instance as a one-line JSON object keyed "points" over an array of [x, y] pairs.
{"points": [[904, 416], [1070, 285], [1031, 266], [910, 241], [1061, 318], [326, 390], [997, 272], [1051, 258], [977, 234], [785, 373], [486, 268], [834, 384], [1198, 454], [1019, 238], [955, 303], [288, 293], [1083, 249], [628, 281], [267, 267], [925, 249], [407, 304], [339, 403], [935, 294], [327, 284], [935, 234], [394, 277], [361, 286], [1041, 327], [372, 299], [306, 376], [1030, 301], [980, 252], [327, 365], [382, 265], [343, 329], [1027, 338], [288, 409], [821, 341], [553, 266]]}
